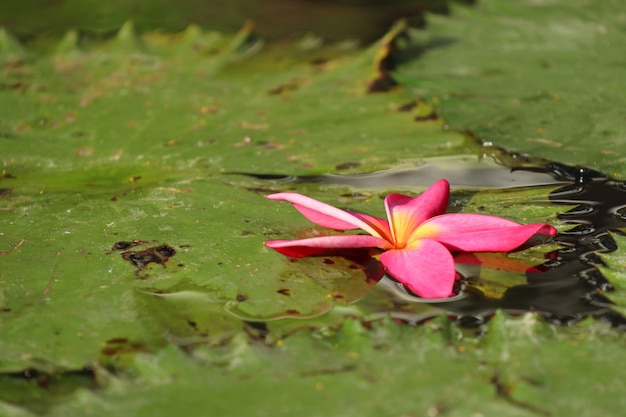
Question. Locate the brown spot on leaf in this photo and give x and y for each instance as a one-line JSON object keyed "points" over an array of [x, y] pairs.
{"points": [[117, 340], [329, 371], [271, 145], [212, 109], [17, 86], [347, 165], [157, 254], [335, 295], [70, 117], [242, 297], [82, 152], [382, 83], [384, 63], [320, 64], [284, 291], [119, 345], [427, 117], [289, 86], [407, 107]]}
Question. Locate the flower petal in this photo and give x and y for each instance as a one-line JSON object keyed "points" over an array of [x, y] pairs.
{"points": [[427, 268], [316, 245], [480, 233], [380, 225], [405, 214], [327, 215]]}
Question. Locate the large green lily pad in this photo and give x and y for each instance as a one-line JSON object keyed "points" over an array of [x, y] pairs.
{"points": [[534, 76], [133, 276]]}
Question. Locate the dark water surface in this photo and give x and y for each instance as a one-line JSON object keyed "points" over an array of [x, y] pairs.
{"points": [[569, 287]]}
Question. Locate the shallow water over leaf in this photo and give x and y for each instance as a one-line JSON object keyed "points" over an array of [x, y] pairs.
{"points": [[564, 285]]}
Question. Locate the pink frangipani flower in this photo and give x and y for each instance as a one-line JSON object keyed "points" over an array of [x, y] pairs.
{"points": [[417, 239]]}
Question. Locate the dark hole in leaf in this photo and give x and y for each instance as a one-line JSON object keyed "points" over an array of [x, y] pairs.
{"points": [[164, 250], [123, 245]]}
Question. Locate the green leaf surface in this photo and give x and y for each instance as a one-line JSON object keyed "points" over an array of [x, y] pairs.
{"points": [[536, 76], [133, 275], [614, 269], [522, 368]]}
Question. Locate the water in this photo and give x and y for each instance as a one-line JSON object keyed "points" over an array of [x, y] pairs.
{"points": [[569, 286]]}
